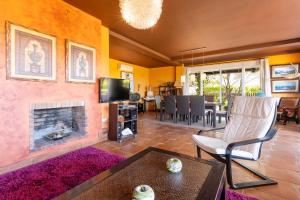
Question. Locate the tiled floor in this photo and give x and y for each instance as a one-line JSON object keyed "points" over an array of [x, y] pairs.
{"points": [[280, 157]]}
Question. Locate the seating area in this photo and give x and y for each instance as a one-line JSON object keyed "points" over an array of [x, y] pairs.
{"points": [[149, 100]]}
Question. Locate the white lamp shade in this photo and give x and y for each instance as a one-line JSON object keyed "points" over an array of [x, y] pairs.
{"points": [[141, 14]]}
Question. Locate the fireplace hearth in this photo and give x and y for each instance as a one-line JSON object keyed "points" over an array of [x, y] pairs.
{"points": [[56, 123]]}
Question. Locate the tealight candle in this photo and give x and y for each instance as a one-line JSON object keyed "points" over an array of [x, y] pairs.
{"points": [[143, 192], [174, 165]]}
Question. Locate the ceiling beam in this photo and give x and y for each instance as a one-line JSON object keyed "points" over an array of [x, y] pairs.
{"points": [[238, 50], [142, 48]]}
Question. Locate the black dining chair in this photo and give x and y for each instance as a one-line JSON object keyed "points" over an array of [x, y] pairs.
{"points": [[226, 112], [183, 108], [198, 109], [170, 107]]}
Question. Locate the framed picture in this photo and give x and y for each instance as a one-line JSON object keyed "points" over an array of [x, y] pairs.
{"points": [[30, 54], [81, 63], [282, 71], [285, 86], [128, 76]]}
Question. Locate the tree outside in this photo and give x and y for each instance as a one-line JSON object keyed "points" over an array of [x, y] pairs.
{"points": [[231, 84]]}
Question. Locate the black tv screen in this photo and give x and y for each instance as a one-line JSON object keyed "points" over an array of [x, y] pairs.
{"points": [[112, 89]]}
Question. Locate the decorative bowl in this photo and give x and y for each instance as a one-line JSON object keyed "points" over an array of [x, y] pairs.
{"points": [[143, 192], [174, 165]]}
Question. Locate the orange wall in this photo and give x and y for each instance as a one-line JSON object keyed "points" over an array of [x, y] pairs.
{"points": [[285, 59], [140, 75], [63, 21], [179, 72], [161, 75]]}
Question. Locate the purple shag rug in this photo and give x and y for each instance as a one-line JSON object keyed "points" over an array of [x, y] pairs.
{"points": [[50, 178], [232, 195]]}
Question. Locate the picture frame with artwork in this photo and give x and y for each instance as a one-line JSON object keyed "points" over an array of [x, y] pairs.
{"points": [[282, 71], [128, 76], [285, 86], [31, 55], [81, 63]]}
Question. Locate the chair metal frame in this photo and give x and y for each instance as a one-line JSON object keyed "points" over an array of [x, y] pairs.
{"points": [[227, 158]]}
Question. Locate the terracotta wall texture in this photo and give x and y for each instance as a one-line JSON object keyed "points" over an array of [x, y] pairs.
{"points": [[63, 21]]}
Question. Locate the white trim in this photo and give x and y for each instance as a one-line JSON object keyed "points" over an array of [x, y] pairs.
{"points": [[243, 81], [13, 28], [224, 66], [69, 44]]}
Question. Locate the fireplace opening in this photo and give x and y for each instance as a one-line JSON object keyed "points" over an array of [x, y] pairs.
{"points": [[56, 124]]}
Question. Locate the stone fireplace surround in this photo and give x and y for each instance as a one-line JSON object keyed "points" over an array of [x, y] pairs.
{"points": [[45, 118]]}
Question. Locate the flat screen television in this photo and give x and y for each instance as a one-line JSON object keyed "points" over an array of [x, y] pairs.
{"points": [[112, 89]]}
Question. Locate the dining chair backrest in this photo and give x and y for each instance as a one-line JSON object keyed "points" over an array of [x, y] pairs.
{"points": [[209, 98], [197, 105], [157, 101], [170, 104], [183, 105]]}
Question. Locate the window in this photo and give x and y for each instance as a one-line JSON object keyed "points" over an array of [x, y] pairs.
{"points": [[225, 80]]}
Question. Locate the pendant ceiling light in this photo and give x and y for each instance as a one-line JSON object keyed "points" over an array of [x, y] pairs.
{"points": [[141, 14]]}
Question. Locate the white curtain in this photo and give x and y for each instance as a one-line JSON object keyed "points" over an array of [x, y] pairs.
{"points": [[266, 82], [186, 82]]}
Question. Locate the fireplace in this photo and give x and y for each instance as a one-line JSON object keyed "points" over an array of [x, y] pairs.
{"points": [[56, 123]]}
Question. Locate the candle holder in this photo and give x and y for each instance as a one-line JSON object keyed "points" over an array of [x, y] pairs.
{"points": [[174, 165], [143, 192]]}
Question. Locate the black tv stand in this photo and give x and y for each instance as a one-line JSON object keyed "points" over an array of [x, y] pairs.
{"points": [[122, 116]]}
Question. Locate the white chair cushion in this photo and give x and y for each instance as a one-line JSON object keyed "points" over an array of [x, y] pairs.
{"points": [[218, 146], [251, 118]]}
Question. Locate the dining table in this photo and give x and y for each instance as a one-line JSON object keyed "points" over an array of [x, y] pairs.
{"points": [[208, 105]]}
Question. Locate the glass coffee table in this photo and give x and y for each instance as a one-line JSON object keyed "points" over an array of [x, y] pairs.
{"points": [[198, 179]]}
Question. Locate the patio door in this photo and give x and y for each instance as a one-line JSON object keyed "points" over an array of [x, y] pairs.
{"points": [[231, 85], [211, 84], [225, 80]]}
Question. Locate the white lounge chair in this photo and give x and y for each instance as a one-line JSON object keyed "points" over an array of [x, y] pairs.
{"points": [[251, 123]]}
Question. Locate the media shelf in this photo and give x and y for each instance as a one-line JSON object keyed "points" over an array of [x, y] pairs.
{"points": [[121, 117]]}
